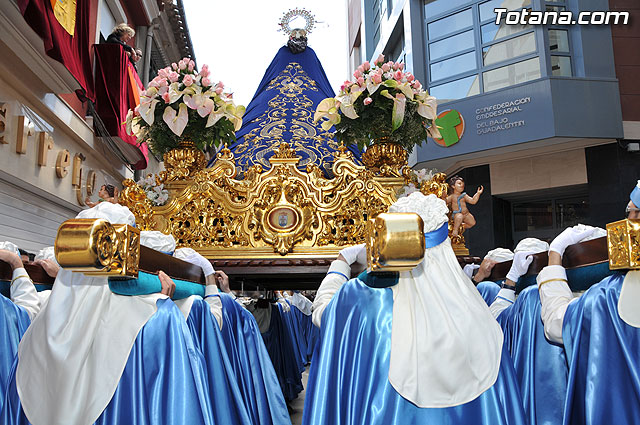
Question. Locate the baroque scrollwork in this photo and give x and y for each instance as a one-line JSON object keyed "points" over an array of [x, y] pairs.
{"points": [[623, 242], [281, 211]]}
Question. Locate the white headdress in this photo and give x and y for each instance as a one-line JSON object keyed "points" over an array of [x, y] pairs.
{"points": [[446, 346]]}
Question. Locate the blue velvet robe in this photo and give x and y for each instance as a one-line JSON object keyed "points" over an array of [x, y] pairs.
{"points": [[348, 382], [164, 380], [540, 365], [604, 359], [308, 332], [297, 337]]}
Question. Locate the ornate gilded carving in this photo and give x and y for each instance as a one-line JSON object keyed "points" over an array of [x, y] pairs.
{"points": [[395, 242], [183, 162], [134, 198], [270, 213], [386, 160], [623, 242], [97, 247]]}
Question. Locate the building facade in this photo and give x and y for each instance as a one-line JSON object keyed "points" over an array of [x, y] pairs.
{"points": [[545, 117], [53, 153]]}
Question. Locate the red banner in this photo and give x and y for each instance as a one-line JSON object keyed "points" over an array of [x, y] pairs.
{"points": [[64, 27]]}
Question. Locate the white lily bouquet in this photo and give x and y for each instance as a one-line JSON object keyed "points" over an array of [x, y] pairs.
{"points": [[155, 191], [181, 104], [383, 104]]}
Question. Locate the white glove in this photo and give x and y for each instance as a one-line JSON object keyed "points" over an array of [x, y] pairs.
{"points": [[520, 265], [356, 253], [191, 256], [569, 236]]}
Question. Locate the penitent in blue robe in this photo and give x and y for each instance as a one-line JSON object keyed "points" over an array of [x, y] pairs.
{"points": [[489, 290], [604, 359], [14, 321], [279, 345], [295, 331], [349, 384], [164, 380], [250, 362], [308, 332], [540, 365], [227, 403]]}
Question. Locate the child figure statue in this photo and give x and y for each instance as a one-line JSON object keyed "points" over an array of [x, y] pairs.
{"points": [[457, 202], [107, 193]]}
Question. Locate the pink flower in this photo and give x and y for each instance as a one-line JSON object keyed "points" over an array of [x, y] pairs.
{"points": [[401, 66], [220, 84], [376, 78], [187, 80], [358, 73], [379, 60], [164, 73], [219, 90], [396, 66], [386, 67], [398, 76], [206, 82], [165, 97], [174, 66], [191, 65], [205, 71], [416, 84], [366, 66], [367, 101], [410, 77], [361, 68], [182, 65], [174, 76], [361, 81]]}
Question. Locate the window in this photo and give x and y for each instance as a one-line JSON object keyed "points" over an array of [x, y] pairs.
{"points": [[509, 49], [558, 40], [532, 216], [561, 66], [450, 24], [511, 74], [492, 32], [436, 7], [453, 66], [451, 45], [486, 8], [458, 89]]}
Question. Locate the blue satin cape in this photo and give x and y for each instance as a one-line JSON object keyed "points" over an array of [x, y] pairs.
{"points": [[489, 290], [164, 380], [307, 331], [227, 403], [277, 339], [282, 110], [604, 359], [295, 331], [540, 365], [251, 365], [14, 321], [349, 377]]}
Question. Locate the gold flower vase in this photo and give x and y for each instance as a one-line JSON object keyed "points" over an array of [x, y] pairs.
{"points": [[385, 159], [183, 162]]}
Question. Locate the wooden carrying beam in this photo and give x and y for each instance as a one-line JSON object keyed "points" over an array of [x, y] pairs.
{"points": [[35, 272], [577, 255]]}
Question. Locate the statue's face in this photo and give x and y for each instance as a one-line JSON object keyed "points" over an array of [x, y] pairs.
{"points": [[103, 192], [459, 185]]}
